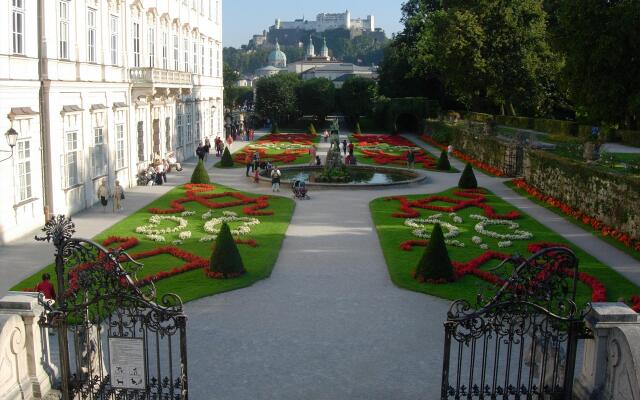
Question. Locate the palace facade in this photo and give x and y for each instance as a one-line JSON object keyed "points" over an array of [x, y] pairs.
{"points": [[96, 89]]}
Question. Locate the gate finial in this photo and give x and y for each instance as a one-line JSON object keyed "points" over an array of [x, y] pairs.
{"points": [[58, 229]]}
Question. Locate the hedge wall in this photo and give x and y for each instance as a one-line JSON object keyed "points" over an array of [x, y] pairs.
{"points": [[614, 199], [631, 138]]}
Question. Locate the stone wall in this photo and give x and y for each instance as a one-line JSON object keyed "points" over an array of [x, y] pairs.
{"points": [[482, 147], [613, 199]]}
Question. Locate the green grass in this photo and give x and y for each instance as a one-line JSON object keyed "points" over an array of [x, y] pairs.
{"points": [[192, 285], [577, 222], [401, 264]]}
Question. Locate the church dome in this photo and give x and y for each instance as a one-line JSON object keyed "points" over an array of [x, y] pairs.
{"points": [[277, 58]]}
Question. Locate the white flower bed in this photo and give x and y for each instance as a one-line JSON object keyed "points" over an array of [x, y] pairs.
{"points": [[188, 213], [185, 235], [208, 238], [506, 243], [153, 232], [207, 215], [484, 246], [156, 238], [476, 240], [456, 218], [419, 226], [213, 226], [177, 242], [481, 227]]}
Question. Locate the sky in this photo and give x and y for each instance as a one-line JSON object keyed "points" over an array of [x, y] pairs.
{"points": [[244, 18]]}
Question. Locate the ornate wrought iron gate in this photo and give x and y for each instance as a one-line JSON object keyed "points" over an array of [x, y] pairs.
{"points": [[521, 343], [114, 341]]}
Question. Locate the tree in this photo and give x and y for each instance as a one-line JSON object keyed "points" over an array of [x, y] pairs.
{"points": [[200, 174], [236, 96], [225, 261], [601, 43], [276, 96], [468, 178], [357, 96], [435, 264], [317, 97]]}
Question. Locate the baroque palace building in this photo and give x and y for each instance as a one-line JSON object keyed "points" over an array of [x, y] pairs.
{"points": [[96, 89]]}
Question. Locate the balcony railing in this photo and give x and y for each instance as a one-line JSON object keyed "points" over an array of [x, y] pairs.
{"points": [[156, 76]]}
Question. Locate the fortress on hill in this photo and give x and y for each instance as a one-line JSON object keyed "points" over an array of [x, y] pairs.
{"points": [[327, 21]]}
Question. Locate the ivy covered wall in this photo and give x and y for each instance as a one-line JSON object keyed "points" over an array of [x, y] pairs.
{"points": [[611, 198]]}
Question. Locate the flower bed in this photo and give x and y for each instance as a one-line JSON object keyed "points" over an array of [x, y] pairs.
{"points": [[476, 163], [279, 148], [481, 242], [595, 224], [166, 237], [390, 150]]}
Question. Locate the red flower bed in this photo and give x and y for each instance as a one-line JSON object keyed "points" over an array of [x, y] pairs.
{"points": [[595, 223], [598, 290], [191, 195], [383, 158], [295, 138], [286, 157], [635, 303], [476, 163], [474, 198]]}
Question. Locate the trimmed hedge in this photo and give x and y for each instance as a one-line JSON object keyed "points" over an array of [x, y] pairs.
{"points": [[480, 117], [630, 138], [227, 160], [468, 178], [443, 162], [435, 264], [200, 174], [225, 261], [515, 122]]}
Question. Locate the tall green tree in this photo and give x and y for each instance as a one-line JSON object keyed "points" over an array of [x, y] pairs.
{"points": [[357, 97], [276, 96], [317, 97], [601, 43]]}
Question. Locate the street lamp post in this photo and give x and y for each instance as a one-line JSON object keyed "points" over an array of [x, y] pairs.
{"points": [[12, 137]]}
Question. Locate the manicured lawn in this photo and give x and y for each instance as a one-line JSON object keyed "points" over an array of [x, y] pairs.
{"points": [[259, 261], [578, 222], [279, 148], [401, 264], [390, 150]]}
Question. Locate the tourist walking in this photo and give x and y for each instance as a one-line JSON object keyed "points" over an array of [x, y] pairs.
{"points": [[249, 164], [350, 147], [275, 179], [103, 195], [312, 154], [411, 159], [256, 161], [118, 197], [325, 136], [450, 149], [207, 148], [318, 161], [200, 152], [344, 146], [46, 288]]}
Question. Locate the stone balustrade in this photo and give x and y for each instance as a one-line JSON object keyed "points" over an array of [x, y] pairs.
{"points": [[157, 76], [26, 370], [611, 365]]}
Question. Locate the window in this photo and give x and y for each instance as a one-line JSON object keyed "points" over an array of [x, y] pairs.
{"points": [[91, 35], [152, 46], [140, 141], [179, 128], [114, 39], [185, 46], [202, 7], [63, 30], [18, 26], [23, 159], [195, 57], [120, 155], [218, 63], [217, 11], [198, 133], [167, 133], [210, 60], [202, 64], [98, 153], [136, 44], [188, 130], [176, 53], [164, 50], [71, 159]]}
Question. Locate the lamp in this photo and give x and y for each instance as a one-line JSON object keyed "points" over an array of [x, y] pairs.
{"points": [[12, 138]]}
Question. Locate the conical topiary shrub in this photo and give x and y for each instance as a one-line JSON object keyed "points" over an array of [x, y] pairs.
{"points": [[200, 174], [225, 261], [468, 178], [312, 129], [275, 129], [227, 160], [357, 129], [435, 265], [443, 162]]}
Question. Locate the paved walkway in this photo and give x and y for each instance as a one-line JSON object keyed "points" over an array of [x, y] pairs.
{"points": [[328, 324]]}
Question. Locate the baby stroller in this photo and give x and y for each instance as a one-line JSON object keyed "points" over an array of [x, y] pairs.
{"points": [[299, 188]]}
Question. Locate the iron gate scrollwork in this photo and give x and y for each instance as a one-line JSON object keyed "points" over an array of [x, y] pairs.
{"points": [[115, 341], [521, 342]]}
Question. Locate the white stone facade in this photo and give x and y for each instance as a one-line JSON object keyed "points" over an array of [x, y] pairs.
{"points": [[95, 90], [328, 21]]}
